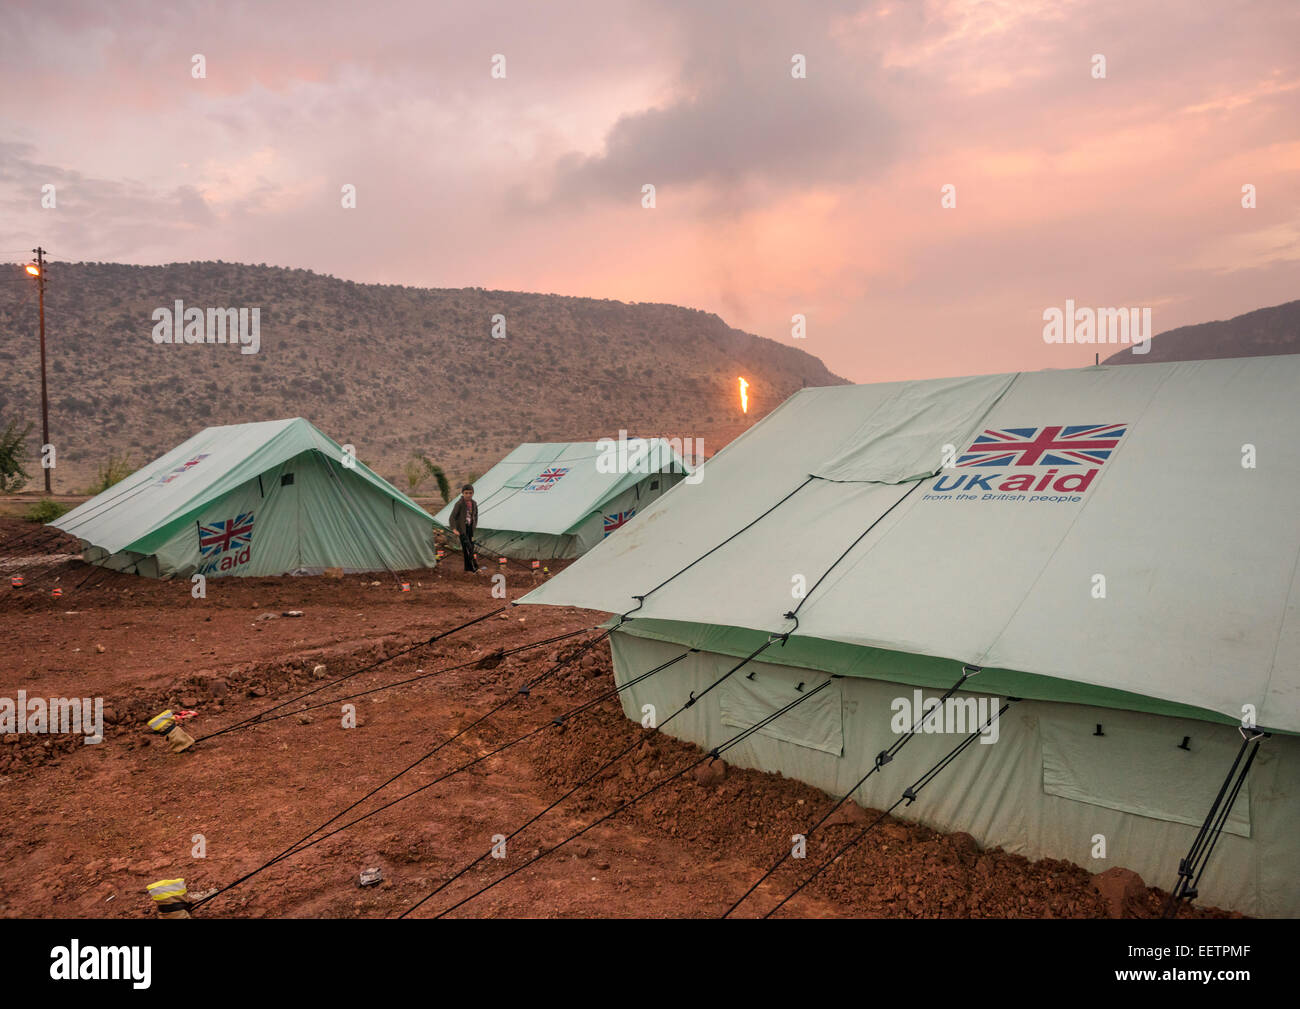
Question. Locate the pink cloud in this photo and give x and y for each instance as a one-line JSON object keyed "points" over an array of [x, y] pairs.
{"points": [[775, 195]]}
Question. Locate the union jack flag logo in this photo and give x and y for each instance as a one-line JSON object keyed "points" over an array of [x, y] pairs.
{"points": [[229, 534], [545, 480], [185, 467], [617, 521], [1076, 445]]}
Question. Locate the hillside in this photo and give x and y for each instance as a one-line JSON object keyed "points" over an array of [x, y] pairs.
{"points": [[394, 370], [1259, 333]]}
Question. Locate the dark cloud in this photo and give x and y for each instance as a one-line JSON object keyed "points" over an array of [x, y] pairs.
{"points": [[738, 115]]}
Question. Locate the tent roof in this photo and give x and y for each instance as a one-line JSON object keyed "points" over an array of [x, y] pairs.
{"points": [[1200, 553], [506, 503], [143, 510]]}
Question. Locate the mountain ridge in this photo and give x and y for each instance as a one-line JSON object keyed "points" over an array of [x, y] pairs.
{"points": [[394, 369], [1258, 333]]}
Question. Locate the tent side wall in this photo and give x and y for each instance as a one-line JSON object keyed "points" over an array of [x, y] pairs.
{"points": [[493, 543], [586, 533], [349, 523], [124, 560], [308, 513], [654, 486], [1046, 787]]}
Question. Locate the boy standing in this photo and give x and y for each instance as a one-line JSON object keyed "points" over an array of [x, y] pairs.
{"points": [[464, 519]]}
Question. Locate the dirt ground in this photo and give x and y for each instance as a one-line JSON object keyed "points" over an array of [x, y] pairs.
{"points": [[87, 827]]}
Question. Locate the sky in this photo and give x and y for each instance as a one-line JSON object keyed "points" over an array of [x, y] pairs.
{"points": [[1115, 184]]}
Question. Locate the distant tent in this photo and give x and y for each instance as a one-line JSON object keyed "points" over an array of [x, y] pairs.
{"points": [[268, 498], [1117, 547], [559, 499]]}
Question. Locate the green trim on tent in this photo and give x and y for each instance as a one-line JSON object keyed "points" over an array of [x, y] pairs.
{"points": [[901, 667]]}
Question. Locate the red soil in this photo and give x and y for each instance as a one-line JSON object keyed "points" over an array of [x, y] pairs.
{"points": [[88, 827]]}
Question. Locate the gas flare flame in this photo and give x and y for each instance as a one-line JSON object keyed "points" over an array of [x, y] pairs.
{"points": [[744, 396]]}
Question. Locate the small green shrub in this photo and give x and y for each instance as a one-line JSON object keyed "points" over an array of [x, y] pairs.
{"points": [[44, 511], [415, 473], [444, 487], [13, 446], [112, 470]]}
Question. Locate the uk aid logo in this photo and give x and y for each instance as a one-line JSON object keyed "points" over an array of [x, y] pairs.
{"points": [[1051, 464]]}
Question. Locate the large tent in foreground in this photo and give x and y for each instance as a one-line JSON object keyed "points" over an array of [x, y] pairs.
{"points": [[559, 499], [1117, 547], [270, 498]]}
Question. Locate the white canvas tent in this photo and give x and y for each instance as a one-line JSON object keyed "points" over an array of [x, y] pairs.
{"points": [[268, 498], [560, 499], [1119, 547]]}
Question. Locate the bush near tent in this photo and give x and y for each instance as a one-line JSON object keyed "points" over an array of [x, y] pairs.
{"points": [[13, 449], [45, 511], [110, 472]]}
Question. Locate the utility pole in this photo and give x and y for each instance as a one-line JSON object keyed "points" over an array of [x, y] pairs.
{"points": [[45, 401]]}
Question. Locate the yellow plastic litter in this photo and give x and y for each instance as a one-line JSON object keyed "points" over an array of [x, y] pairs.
{"points": [[169, 898], [177, 738], [164, 722]]}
